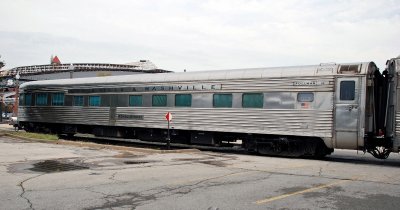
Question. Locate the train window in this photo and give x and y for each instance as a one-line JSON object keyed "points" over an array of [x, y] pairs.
{"points": [[183, 100], [28, 99], [252, 100], [57, 99], [41, 99], [347, 90], [159, 100], [94, 100], [305, 97], [135, 100], [78, 101], [222, 100], [21, 99]]}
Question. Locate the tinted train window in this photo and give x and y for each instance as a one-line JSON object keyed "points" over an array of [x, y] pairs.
{"points": [[159, 100], [135, 100], [347, 90], [41, 99], [94, 100], [183, 100], [305, 97], [222, 100], [21, 99], [252, 100], [28, 99], [57, 99], [78, 101]]}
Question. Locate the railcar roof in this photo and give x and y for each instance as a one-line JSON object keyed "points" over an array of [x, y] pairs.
{"points": [[251, 73]]}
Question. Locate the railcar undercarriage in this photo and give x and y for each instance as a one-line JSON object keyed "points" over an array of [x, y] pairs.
{"points": [[289, 146], [378, 147]]}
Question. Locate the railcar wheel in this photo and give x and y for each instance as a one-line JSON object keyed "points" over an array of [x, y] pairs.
{"points": [[380, 152], [321, 150], [293, 147]]}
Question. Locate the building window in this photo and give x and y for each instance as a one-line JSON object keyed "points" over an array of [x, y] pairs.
{"points": [[78, 101], [347, 90], [222, 100], [57, 99], [252, 100], [135, 100], [183, 100], [41, 99], [305, 97], [94, 100], [159, 100]]}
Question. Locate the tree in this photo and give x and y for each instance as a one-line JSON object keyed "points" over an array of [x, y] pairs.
{"points": [[2, 64]]}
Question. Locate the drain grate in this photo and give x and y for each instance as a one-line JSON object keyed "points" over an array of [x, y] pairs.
{"points": [[51, 166]]}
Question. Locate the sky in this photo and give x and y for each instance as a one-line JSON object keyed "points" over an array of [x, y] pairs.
{"points": [[199, 35]]}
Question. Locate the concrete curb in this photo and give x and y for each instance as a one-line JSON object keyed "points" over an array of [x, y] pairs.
{"points": [[99, 146]]}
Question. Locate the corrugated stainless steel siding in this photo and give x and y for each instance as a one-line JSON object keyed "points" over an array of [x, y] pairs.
{"points": [[260, 84], [236, 85], [302, 122], [278, 84], [258, 73], [284, 122], [396, 143], [71, 115]]}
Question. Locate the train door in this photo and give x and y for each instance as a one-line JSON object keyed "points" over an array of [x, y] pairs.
{"points": [[347, 112], [113, 110]]}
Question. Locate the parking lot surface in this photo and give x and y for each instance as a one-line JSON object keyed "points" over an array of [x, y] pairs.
{"points": [[37, 175]]}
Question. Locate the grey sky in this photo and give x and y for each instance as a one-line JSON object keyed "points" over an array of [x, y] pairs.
{"points": [[199, 35]]}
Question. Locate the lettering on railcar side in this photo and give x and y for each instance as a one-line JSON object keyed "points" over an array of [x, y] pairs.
{"points": [[196, 87], [130, 117], [308, 83]]}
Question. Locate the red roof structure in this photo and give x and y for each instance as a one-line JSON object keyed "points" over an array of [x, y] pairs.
{"points": [[55, 61]]}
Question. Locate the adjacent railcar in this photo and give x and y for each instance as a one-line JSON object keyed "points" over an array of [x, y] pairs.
{"points": [[292, 111]]}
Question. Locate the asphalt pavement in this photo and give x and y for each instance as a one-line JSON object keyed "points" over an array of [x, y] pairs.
{"points": [[37, 175]]}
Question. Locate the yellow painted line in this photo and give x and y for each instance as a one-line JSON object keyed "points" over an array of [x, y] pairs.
{"points": [[259, 202]]}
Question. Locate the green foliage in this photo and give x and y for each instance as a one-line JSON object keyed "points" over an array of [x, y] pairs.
{"points": [[48, 137], [2, 64]]}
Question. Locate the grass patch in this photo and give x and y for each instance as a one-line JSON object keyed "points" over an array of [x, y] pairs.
{"points": [[48, 137]]}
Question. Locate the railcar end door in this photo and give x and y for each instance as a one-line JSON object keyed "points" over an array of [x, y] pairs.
{"points": [[347, 112]]}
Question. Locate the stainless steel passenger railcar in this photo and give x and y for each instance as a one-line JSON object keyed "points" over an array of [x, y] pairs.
{"points": [[302, 110]]}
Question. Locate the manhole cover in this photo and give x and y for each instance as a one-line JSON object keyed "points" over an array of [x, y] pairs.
{"points": [[135, 162], [50, 166]]}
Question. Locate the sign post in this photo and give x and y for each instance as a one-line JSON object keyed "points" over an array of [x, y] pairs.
{"points": [[168, 116]]}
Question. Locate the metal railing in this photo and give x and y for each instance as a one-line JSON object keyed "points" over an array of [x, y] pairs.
{"points": [[142, 66]]}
